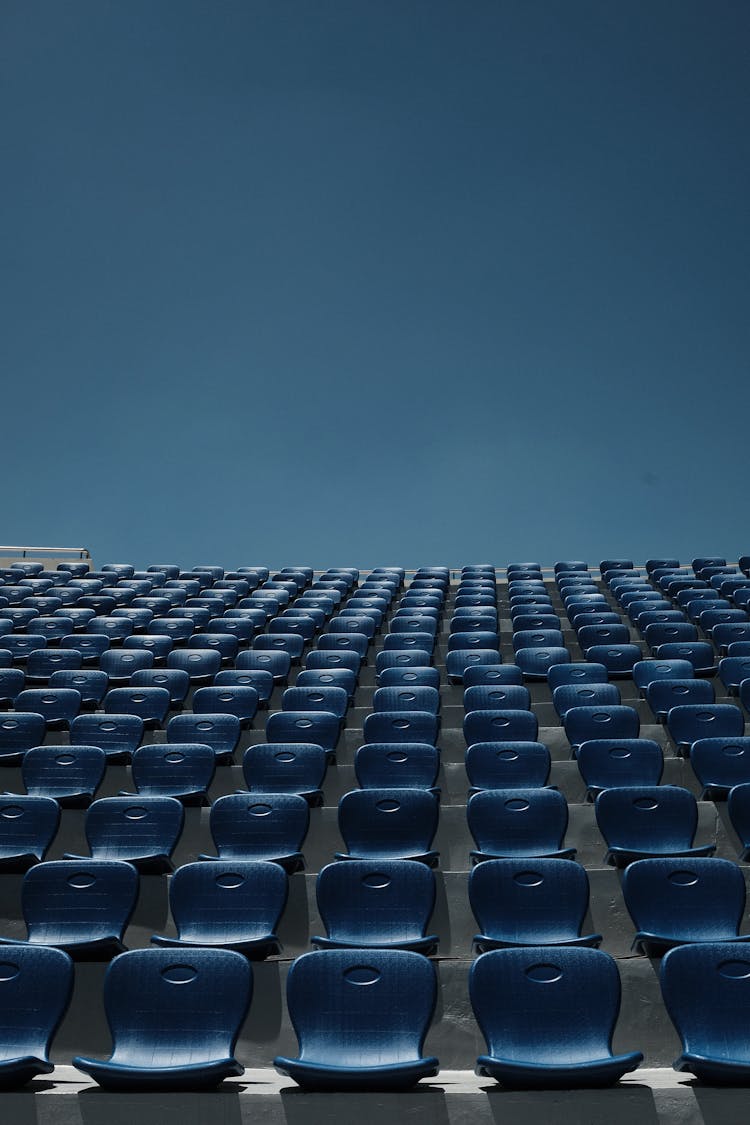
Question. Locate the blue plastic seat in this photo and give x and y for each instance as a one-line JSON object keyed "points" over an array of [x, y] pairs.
{"points": [[676, 902], [178, 629], [28, 826], [534, 622], [645, 822], [12, 681], [537, 638], [117, 735], [280, 767], [518, 902], [19, 731], [500, 726], [322, 659], [401, 726], [69, 775], [608, 763], [648, 671], [360, 1038], [227, 700], [727, 634], [590, 636], [407, 697], [150, 703], [401, 658], [707, 995], [515, 823], [219, 730], [687, 723], [90, 645], [582, 724], [225, 644], [738, 806], [174, 681], [175, 1018], [458, 660], [90, 683], [320, 727], [403, 765], [378, 824], [361, 623], [333, 700], [201, 664], [79, 907], [576, 673], [53, 628], [720, 764], [22, 644], [548, 1017], [699, 653], [618, 659], [385, 904], [230, 904], [497, 697], [242, 629], [136, 829], [490, 675], [269, 826], [121, 663], [59, 706], [277, 663], [584, 695], [536, 663], [343, 678], [175, 769], [35, 991], [663, 695], [507, 765], [346, 642], [44, 662]]}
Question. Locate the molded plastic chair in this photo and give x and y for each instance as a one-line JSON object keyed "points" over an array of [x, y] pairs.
{"points": [[35, 991], [576, 673], [389, 824], [582, 724], [180, 770], [401, 726], [333, 700], [117, 735], [343, 678], [349, 642], [173, 680], [69, 775], [319, 727], [231, 904], [648, 822], [458, 660], [618, 659], [491, 674], [12, 681], [720, 764], [270, 826], [646, 672], [548, 1017], [676, 902], [286, 767], [44, 662], [262, 681], [500, 726], [81, 907], [90, 645], [121, 663], [381, 905], [227, 700], [175, 1018], [58, 705], [201, 664], [139, 830], [497, 697], [513, 823], [219, 731], [28, 826], [699, 653], [686, 724], [732, 671], [584, 695], [738, 806], [536, 663], [518, 902], [407, 697], [330, 659], [507, 765], [608, 763], [150, 703], [277, 663], [90, 683], [360, 1038], [404, 765], [19, 731], [706, 990]]}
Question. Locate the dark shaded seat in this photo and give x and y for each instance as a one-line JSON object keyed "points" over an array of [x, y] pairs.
{"points": [[584, 695], [360, 1038], [520, 902], [491, 675], [584, 724], [28, 826], [139, 830], [174, 1017], [687, 723], [381, 904], [646, 672], [150, 703], [548, 1017], [401, 726], [81, 907], [402, 765], [231, 904], [117, 735], [720, 764], [19, 731], [535, 663], [515, 823], [219, 731], [586, 672], [458, 660], [507, 765], [319, 727], [497, 697], [286, 767], [663, 695], [35, 990], [677, 901], [389, 823], [500, 726], [69, 775], [610, 763], [90, 683], [648, 822], [407, 697], [269, 826], [174, 769]]}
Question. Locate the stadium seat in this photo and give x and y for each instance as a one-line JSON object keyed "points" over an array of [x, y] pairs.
{"points": [[582, 724], [332, 700], [720, 764], [227, 700], [117, 735], [139, 830], [286, 767], [69, 775], [19, 731], [647, 822], [584, 695], [515, 823], [379, 824], [150, 703], [219, 730], [28, 826], [404, 765], [536, 663], [269, 826], [507, 765], [663, 695], [381, 905], [180, 770], [576, 673], [277, 663], [458, 660], [500, 726], [319, 727], [619, 763], [35, 991], [686, 724], [201, 664], [44, 662]]}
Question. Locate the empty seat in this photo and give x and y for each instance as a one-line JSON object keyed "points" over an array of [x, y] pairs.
{"points": [[619, 763], [646, 672], [19, 731], [320, 727], [277, 663], [576, 673], [220, 731], [676, 901], [333, 700], [590, 636], [201, 664], [286, 767], [699, 653], [720, 764], [706, 991], [508, 823], [492, 674], [360, 1038], [458, 660], [139, 830], [584, 695], [44, 662], [331, 658], [404, 765], [618, 659], [389, 823], [548, 1017], [35, 991], [647, 822], [270, 826], [90, 683], [582, 724], [174, 1017], [121, 663], [234, 904], [117, 735], [256, 678], [150, 703], [175, 681], [385, 904], [90, 645], [497, 697], [507, 765], [518, 902], [500, 726], [663, 695], [349, 642], [81, 908], [28, 826], [401, 726], [686, 724], [12, 681], [536, 663], [175, 769], [59, 706], [69, 774], [343, 678], [227, 699]]}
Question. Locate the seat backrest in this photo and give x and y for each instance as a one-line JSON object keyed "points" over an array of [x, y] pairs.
{"points": [[518, 821], [584, 695], [648, 818], [686, 899], [151, 703], [219, 730], [54, 771], [19, 731], [576, 673], [500, 726], [199, 663], [646, 672], [497, 697], [721, 763], [525, 1022], [606, 721], [223, 900], [35, 990], [281, 767], [133, 827], [609, 763], [407, 765], [173, 769], [376, 902], [706, 990], [388, 820], [334, 700], [27, 826], [67, 901], [529, 902], [689, 722], [168, 1007], [117, 735], [321, 727], [491, 675], [507, 765], [259, 825], [407, 697], [226, 699], [401, 726], [337, 1021]]}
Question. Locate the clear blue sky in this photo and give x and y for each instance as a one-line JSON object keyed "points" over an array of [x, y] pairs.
{"points": [[358, 282]]}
